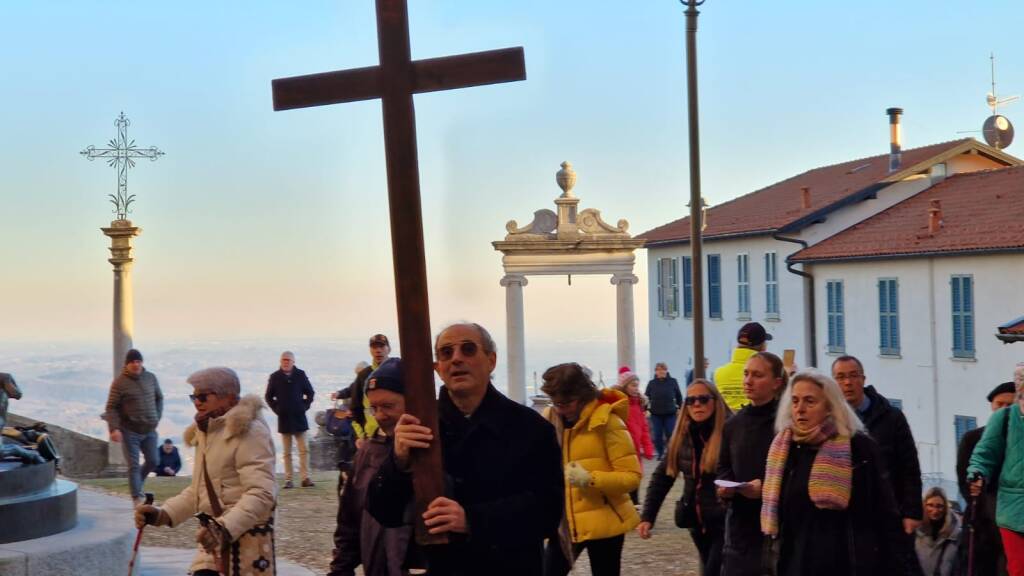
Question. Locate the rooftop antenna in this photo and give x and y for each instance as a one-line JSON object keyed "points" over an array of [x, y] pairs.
{"points": [[998, 130]]}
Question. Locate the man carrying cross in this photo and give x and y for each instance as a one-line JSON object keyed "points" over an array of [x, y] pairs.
{"points": [[502, 465], [395, 80]]}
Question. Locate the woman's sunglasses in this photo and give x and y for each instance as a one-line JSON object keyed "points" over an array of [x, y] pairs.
{"points": [[446, 352], [699, 399], [201, 397]]}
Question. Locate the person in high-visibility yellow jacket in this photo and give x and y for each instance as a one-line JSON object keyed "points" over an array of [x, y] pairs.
{"points": [[751, 339]]}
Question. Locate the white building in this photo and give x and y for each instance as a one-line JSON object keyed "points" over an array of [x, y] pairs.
{"points": [[840, 259]]}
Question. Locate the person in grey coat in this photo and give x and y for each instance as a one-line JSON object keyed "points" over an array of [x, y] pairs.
{"points": [[359, 538], [938, 537], [135, 405]]}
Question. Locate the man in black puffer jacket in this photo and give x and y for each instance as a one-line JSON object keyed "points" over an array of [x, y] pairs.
{"points": [[665, 400], [888, 427]]}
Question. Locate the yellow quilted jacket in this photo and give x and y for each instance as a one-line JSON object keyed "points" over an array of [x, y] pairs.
{"points": [[601, 444]]}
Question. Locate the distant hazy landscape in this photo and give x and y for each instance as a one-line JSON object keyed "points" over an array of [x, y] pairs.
{"points": [[66, 383]]}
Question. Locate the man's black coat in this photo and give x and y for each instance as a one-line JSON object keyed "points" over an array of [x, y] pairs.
{"points": [[504, 466], [290, 396]]}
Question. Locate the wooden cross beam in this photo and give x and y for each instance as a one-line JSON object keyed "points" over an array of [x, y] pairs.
{"points": [[395, 81]]}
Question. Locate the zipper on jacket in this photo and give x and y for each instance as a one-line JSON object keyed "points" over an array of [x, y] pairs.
{"points": [[609, 504], [568, 458]]}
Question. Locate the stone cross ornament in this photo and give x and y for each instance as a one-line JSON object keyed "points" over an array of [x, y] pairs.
{"points": [[394, 81]]}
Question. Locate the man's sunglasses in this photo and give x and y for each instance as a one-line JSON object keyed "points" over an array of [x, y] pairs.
{"points": [[699, 399], [201, 397], [467, 349]]}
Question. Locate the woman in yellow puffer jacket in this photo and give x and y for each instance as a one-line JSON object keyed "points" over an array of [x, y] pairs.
{"points": [[601, 469]]}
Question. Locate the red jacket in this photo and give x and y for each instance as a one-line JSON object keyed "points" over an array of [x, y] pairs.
{"points": [[638, 428]]}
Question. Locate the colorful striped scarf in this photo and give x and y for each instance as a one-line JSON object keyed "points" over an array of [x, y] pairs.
{"points": [[831, 479]]}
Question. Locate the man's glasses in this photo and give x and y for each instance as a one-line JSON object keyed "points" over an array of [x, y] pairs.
{"points": [[446, 352], [850, 376], [200, 397], [701, 399]]}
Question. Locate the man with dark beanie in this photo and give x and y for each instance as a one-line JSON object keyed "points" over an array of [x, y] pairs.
{"points": [[989, 558], [134, 407]]}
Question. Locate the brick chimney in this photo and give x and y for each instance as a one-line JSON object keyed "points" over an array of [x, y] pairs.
{"points": [[935, 217], [805, 197], [895, 139]]}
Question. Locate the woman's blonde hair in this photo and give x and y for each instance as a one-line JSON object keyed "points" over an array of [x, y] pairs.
{"points": [[709, 458], [846, 420]]}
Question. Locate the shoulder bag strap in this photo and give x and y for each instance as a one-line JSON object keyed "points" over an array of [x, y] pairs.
{"points": [[218, 510]]}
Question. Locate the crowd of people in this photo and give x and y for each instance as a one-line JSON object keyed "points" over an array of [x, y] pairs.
{"points": [[785, 472]]}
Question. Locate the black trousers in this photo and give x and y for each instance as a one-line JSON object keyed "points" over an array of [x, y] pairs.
{"points": [[709, 546], [605, 556]]}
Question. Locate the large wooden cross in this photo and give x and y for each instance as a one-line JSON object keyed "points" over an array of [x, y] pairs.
{"points": [[395, 81]]}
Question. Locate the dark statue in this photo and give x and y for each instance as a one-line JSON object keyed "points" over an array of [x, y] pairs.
{"points": [[30, 445]]}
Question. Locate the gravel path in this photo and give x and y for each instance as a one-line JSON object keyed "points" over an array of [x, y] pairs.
{"points": [[306, 517]]}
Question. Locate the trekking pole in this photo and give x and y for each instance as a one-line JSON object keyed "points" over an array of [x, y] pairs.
{"points": [[138, 537]]}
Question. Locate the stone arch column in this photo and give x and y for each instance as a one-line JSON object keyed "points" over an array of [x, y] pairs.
{"points": [[515, 336], [625, 333]]}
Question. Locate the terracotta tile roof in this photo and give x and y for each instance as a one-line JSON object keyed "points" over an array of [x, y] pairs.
{"points": [[1013, 327], [981, 211], [779, 205]]}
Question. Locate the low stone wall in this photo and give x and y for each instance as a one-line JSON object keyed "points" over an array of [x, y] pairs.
{"points": [[81, 456]]}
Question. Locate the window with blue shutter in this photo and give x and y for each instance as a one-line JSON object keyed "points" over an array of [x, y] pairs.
{"points": [[836, 316], [714, 286], [687, 287], [888, 317], [962, 296], [743, 285], [962, 425], [771, 286], [668, 288]]}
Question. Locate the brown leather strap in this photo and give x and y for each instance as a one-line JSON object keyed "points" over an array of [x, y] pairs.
{"points": [[218, 510]]}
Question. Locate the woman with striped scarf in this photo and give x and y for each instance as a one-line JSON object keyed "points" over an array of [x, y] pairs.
{"points": [[826, 507]]}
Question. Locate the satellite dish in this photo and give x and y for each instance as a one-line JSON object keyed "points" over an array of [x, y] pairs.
{"points": [[998, 131]]}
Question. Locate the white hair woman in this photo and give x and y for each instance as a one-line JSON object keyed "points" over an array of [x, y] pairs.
{"points": [[233, 482], [826, 506]]}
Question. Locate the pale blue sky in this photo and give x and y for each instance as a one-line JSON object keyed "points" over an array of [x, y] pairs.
{"points": [[274, 225]]}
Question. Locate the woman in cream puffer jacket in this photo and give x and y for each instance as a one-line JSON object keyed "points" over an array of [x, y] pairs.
{"points": [[601, 468], [238, 452]]}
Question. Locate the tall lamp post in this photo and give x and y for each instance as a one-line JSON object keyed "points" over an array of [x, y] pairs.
{"points": [[696, 201]]}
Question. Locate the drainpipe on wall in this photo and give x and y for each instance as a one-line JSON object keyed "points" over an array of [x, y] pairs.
{"points": [[811, 327], [934, 345]]}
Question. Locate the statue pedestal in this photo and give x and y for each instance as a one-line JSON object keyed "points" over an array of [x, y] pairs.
{"points": [[34, 503]]}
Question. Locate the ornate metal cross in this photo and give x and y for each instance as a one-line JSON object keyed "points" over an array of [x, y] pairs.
{"points": [[121, 154], [395, 81]]}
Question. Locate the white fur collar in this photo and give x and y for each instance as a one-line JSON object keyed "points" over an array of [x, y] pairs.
{"points": [[236, 421]]}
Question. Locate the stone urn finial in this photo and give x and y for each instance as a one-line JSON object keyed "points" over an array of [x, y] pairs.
{"points": [[566, 178]]}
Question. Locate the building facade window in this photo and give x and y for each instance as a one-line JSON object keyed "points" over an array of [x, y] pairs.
{"points": [[687, 286], [743, 286], [714, 286], [836, 316], [771, 285], [962, 425], [962, 295], [668, 288], [888, 317]]}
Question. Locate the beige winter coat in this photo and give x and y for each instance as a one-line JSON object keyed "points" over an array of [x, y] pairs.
{"points": [[239, 455]]}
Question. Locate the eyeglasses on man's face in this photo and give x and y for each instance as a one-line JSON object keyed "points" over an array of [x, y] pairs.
{"points": [[466, 348], [849, 376], [385, 407]]}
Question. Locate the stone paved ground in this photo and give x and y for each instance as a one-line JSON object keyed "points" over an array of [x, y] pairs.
{"points": [[306, 517]]}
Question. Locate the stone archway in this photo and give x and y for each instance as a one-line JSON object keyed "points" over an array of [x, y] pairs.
{"points": [[565, 243]]}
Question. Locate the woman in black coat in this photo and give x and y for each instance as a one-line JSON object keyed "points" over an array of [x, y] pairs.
{"points": [[745, 441], [693, 452], [827, 507]]}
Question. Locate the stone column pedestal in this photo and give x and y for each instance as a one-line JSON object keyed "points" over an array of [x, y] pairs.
{"points": [[515, 336], [625, 341], [121, 233]]}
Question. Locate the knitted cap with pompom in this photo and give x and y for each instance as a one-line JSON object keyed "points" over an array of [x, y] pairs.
{"points": [[626, 376]]}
